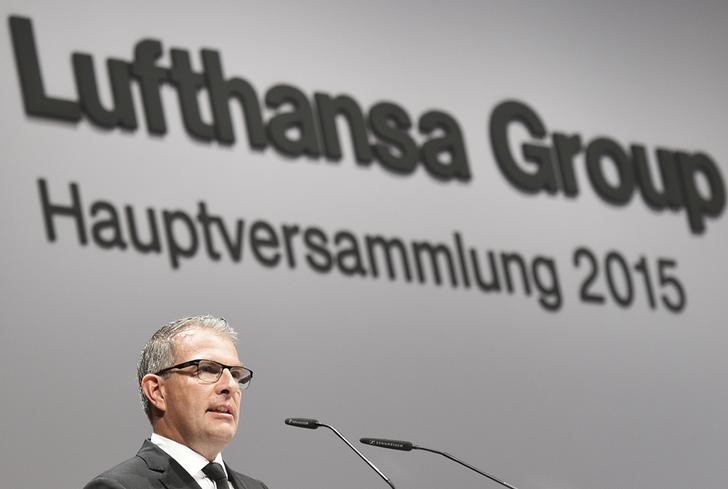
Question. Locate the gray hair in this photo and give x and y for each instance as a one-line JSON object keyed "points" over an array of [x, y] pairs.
{"points": [[159, 351]]}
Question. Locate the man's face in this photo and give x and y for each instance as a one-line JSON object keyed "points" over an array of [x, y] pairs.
{"points": [[201, 416]]}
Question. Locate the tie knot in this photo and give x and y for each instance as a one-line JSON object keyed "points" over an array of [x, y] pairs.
{"points": [[214, 471]]}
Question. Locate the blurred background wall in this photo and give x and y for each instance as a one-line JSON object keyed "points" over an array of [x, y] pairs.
{"points": [[589, 394]]}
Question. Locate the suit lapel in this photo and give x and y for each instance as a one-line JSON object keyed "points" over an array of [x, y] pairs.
{"points": [[176, 477], [233, 476], [171, 474]]}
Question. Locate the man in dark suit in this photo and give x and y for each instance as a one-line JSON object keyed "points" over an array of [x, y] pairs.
{"points": [[191, 382]]}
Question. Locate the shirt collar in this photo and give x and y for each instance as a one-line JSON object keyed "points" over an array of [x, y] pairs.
{"points": [[189, 459]]}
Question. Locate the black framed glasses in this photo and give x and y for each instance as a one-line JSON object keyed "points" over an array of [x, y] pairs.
{"points": [[210, 371]]}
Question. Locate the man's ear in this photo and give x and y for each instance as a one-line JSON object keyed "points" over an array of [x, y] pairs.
{"points": [[153, 389]]}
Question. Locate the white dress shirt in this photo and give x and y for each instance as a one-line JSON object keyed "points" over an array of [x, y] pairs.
{"points": [[190, 460]]}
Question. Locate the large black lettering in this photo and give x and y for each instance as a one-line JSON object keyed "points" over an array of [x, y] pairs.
{"points": [[670, 196], [328, 110], [699, 206], [35, 100], [390, 123], [111, 226], [188, 85], [299, 121], [597, 152], [319, 257], [348, 258], [262, 238], [289, 231], [51, 210], [153, 244], [172, 221], [122, 114], [421, 248], [234, 244], [206, 220], [544, 178], [151, 77], [221, 91], [548, 286], [449, 146], [461, 259], [514, 258], [492, 285], [387, 247], [566, 147]]}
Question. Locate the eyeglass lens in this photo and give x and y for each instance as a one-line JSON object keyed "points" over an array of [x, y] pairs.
{"points": [[208, 371]]}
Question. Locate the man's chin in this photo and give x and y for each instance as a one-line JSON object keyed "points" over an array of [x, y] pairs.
{"points": [[223, 432]]}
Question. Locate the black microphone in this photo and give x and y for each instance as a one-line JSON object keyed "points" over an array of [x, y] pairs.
{"points": [[309, 423], [406, 446], [312, 424]]}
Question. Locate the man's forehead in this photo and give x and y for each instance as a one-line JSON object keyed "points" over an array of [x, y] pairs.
{"points": [[197, 339]]}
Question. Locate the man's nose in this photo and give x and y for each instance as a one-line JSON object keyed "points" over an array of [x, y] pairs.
{"points": [[227, 383]]}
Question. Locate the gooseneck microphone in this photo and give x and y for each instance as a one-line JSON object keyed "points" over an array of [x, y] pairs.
{"points": [[312, 424], [406, 446]]}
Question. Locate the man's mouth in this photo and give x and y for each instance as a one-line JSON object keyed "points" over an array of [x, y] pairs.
{"points": [[221, 409]]}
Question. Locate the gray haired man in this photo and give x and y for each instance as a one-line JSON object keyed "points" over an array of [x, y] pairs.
{"points": [[191, 382]]}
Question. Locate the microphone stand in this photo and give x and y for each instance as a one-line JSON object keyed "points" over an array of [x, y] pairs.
{"points": [[312, 424], [407, 446], [336, 432], [447, 455]]}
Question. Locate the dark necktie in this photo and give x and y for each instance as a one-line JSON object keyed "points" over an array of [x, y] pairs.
{"points": [[215, 472]]}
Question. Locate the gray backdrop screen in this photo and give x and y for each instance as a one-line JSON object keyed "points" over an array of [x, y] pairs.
{"points": [[600, 364]]}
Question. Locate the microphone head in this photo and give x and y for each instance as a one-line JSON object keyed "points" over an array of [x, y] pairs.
{"points": [[309, 423], [405, 446]]}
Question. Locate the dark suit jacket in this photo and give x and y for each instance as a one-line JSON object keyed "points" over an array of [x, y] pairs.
{"points": [[152, 468]]}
